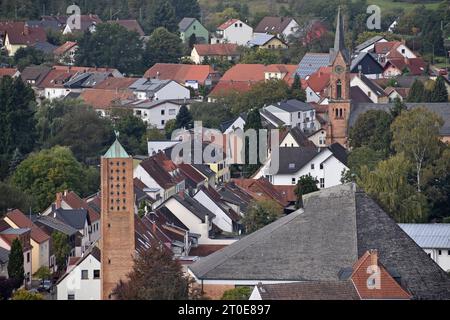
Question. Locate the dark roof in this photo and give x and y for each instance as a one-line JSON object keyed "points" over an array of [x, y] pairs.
{"points": [[372, 85], [358, 96], [195, 207], [4, 255], [45, 47], [368, 62], [292, 159], [339, 152], [185, 23], [274, 25], [204, 169], [300, 137], [56, 224], [76, 218], [293, 105], [368, 43], [35, 73], [339, 40], [337, 226], [270, 118], [309, 290], [441, 108]]}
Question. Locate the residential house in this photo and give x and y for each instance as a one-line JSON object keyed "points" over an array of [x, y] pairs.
{"points": [[320, 242], [394, 93], [216, 51], [316, 85], [401, 66], [355, 283], [161, 176], [194, 179], [65, 54], [187, 75], [70, 200], [266, 41], [282, 27], [433, 238], [311, 62], [230, 126], [45, 48], [10, 72], [233, 31], [7, 236], [156, 113], [156, 89], [86, 23], [367, 64], [191, 26], [21, 35], [82, 281], [225, 218], [235, 197], [103, 101], [294, 137], [324, 164], [370, 88], [369, 44], [392, 50], [130, 25], [262, 189], [39, 240], [292, 113], [319, 138]]}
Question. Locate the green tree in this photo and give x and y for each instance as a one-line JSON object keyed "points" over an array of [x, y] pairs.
{"points": [[305, 184], [23, 294], [170, 126], [439, 93], [160, 13], [61, 249], [156, 275], [27, 56], [417, 92], [154, 133], [111, 45], [363, 156], [43, 273], [163, 47], [240, 293], [262, 56], [184, 118], [416, 134], [388, 184], [132, 131], [398, 107], [15, 263], [186, 8], [260, 214], [12, 197], [371, 129], [212, 114], [49, 171], [6, 288], [297, 92]]}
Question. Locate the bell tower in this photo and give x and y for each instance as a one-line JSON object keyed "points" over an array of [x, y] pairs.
{"points": [[117, 241], [339, 106]]}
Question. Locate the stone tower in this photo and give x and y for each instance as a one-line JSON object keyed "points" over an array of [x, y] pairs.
{"points": [[117, 217], [339, 106]]}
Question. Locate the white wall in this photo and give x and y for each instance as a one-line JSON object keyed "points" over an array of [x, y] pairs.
{"points": [[443, 259], [154, 117], [55, 93], [221, 219], [311, 95], [319, 138], [291, 29], [143, 175], [239, 123], [357, 82], [255, 294], [82, 289], [239, 35]]}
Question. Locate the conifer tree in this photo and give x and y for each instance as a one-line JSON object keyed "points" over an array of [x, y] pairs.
{"points": [[439, 93], [15, 263]]}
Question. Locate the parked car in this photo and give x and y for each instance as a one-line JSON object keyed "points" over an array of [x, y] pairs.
{"points": [[45, 285]]}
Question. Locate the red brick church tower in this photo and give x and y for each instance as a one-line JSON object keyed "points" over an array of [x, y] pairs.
{"points": [[339, 106], [117, 218]]}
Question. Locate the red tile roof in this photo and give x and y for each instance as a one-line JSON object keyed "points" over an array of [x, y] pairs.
{"points": [[224, 88], [217, 49], [190, 172], [7, 72], [180, 73], [263, 189], [21, 34], [75, 202], [227, 24], [204, 250], [130, 25], [104, 99], [112, 83], [64, 48], [386, 288], [385, 47], [416, 66], [319, 80], [21, 221]]}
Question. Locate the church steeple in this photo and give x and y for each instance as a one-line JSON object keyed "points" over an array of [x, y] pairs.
{"points": [[339, 40]]}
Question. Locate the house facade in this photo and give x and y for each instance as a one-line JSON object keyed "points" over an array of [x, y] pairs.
{"points": [[233, 31], [191, 26]]}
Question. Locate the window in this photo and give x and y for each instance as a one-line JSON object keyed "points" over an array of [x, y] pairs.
{"points": [[172, 112], [299, 115], [163, 122], [322, 183], [440, 252], [84, 275], [235, 25], [369, 93], [448, 252], [293, 180], [338, 89], [312, 166], [71, 296], [240, 25], [321, 166], [96, 274], [193, 27], [28, 257]]}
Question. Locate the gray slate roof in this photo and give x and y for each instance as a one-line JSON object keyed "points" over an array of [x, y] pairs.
{"points": [[260, 39], [441, 108], [429, 235], [76, 218], [311, 62], [56, 224], [293, 105], [336, 227], [185, 23], [368, 43]]}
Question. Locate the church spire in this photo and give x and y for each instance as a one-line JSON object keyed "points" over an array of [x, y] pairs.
{"points": [[339, 40]]}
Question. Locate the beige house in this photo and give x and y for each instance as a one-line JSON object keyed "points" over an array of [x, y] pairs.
{"points": [[20, 35], [39, 240], [267, 41]]}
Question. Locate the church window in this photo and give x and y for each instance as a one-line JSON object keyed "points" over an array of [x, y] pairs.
{"points": [[339, 89]]}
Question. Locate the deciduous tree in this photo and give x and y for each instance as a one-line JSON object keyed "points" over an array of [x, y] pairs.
{"points": [[260, 214]]}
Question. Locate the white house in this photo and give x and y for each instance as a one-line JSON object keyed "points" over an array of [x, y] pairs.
{"points": [[292, 113], [433, 238], [319, 138], [156, 90], [82, 281], [280, 26], [370, 88], [156, 113], [230, 126], [233, 31], [369, 45], [324, 164]]}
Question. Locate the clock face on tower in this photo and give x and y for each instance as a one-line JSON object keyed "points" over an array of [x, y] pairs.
{"points": [[339, 69]]}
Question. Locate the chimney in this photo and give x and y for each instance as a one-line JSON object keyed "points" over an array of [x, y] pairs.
{"points": [[157, 75], [154, 227], [26, 29], [373, 257], [58, 200]]}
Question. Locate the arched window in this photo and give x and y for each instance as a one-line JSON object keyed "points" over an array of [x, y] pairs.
{"points": [[338, 89], [340, 113]]}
